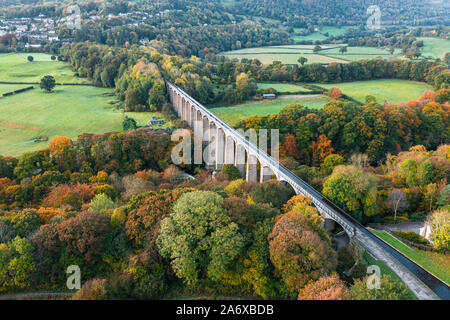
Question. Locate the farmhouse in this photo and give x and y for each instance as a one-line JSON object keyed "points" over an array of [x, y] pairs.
{"points": [[155, 121], [269, 96]]}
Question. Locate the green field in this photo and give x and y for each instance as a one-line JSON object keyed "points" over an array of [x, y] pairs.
{"points": [[332, 31], [4, 88], [16, 68], [286, 54], [233, 114], [329, 53], [283, 87], [436, 263], [391, 90], [434, 47], [358, 53], [69, 111]]}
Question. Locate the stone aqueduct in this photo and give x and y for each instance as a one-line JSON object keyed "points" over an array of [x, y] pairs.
{"points": [[231, 147]]}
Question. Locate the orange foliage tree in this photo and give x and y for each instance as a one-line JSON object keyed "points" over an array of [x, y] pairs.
{"points": [[290, 147], [335, 93], [321, 148], [60, 149], [326, 288], [298, 253]]}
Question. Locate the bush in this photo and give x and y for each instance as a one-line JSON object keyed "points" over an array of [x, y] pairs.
{"points": [[411, 236], [231, 171], [418, 216]]}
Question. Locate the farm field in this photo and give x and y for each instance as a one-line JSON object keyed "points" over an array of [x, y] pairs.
{"points": [[286, 54], [390, 90], [69, 111], [16, 68], [436, 263], [4, 88], [332, 31], [329, 53], [358, 53], [233, 114], [434, 47], [283, 87]]}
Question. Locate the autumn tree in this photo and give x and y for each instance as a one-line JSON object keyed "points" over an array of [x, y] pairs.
{"points": [[142, 223], [321, 148], [335, 93], [60, 150], [84, 235], [439, 224], [326, 288], [297, 252], [290, 146], [199, 238]]}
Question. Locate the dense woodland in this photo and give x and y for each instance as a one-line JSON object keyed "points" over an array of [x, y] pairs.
{"points": [[140, 228]]}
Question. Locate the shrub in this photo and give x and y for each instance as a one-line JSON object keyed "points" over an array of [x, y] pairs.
{"points": [[411, 236], [102, 203], [418, 216], [93, 289], [231, 171], [106, 189]]}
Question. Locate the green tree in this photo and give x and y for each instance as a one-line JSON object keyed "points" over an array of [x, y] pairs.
{"points": [[231, 171], [353, 190], [317, 49], [102, 203], [48, 83], [16, 264], [390, 289], [129, 124], [444, 196], [330, 162], [271, 192], [199, 238], [302, 60]]}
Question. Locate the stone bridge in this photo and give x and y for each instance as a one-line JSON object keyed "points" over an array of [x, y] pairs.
{"points": [[232, 147]]}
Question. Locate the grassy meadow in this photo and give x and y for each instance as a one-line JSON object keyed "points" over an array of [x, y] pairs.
{"points": [[329, 53], [286, 54], [233, 114], [320, 35], [358, 53], [68, 111], [434, 47], [390, 90], [283, 87], [16, 68]]}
